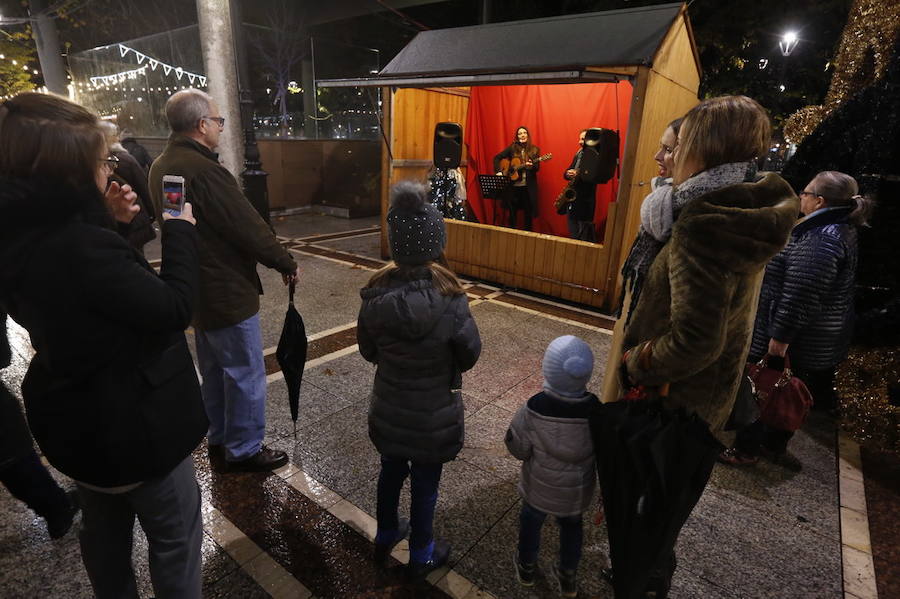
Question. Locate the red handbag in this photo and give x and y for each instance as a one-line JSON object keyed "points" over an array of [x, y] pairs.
{"points": [[783, 399]]}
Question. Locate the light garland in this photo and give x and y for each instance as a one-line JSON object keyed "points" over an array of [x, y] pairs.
{"points": [[862, 58], [152, 63]]}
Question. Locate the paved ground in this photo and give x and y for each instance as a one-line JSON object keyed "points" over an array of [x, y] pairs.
{"points": [[305, 531]]}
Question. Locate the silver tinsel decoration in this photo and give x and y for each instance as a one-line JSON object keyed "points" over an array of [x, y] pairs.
{"points": [[447, 192]]}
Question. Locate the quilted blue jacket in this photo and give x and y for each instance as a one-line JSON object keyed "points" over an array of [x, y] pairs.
{"points": [[807, 293]]}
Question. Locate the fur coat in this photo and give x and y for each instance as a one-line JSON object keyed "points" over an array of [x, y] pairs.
{"points": [[691, 326]]}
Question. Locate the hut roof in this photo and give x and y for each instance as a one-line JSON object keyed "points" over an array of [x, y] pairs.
{"points": [[536, 50], [610, 38]]}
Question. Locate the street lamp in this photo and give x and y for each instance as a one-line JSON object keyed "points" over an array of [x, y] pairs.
{"points": [[788, 43]]}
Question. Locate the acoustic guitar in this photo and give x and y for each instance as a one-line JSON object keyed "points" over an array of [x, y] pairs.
{"points": [[513, 168]]}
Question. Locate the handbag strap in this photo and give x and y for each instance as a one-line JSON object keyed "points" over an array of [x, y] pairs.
{"points": [[786, 374]]}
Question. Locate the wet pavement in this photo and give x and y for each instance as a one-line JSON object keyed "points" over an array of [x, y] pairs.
{"points": [[306, 530]]}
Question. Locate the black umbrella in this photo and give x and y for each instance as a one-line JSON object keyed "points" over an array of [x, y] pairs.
{"points": [[291, 353], [653, 465]]}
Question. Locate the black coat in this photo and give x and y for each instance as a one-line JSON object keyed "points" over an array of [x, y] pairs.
{"points": [[585, 203], [530, 179], [111, 395], [807, 293], [139, 152], [421, 342], [130, 172]]}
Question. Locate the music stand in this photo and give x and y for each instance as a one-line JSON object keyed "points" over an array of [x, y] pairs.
{"points": [[492, 188]]}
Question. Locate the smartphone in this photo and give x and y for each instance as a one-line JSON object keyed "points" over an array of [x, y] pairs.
{"points": [[173, 194]]}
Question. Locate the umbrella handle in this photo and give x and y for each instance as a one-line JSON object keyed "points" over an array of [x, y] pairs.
{"points": [[291, 287]]}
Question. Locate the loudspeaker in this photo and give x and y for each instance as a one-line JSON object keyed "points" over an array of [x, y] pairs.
{"points": [[448, 140], [601, 155]]}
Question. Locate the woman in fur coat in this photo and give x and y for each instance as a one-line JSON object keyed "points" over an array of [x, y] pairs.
{"points": [[688, 334], [691, 324]]}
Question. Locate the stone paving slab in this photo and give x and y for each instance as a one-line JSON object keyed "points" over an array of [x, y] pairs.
{"points": [[368, 245], [327, 296]]}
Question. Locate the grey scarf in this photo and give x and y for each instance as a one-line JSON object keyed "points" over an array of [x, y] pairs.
{"points": [[659, 212]]}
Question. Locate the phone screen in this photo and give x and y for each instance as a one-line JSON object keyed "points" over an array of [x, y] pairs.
{"points": [[173, 197]]}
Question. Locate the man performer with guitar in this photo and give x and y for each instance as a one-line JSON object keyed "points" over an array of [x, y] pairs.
{"points": [[520, 162], [578, 199]]}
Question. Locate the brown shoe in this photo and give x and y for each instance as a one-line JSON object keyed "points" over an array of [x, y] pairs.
{"points": [[265, 459]]}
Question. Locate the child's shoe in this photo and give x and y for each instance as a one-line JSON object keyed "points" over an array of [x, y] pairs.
{"points": [[418, 571], [383, 550], [524, 572], [568, 583]]}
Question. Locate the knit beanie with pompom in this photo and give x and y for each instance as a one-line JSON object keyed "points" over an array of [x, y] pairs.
{"points": [[568, 363], [416, 231]]}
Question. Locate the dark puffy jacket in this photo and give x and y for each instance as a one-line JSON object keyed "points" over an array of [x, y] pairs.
{"points": [[421, 342], [111, 393], [807, 293]]}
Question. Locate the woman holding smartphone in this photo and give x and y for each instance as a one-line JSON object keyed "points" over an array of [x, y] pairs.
{"points": [[111, 394]]}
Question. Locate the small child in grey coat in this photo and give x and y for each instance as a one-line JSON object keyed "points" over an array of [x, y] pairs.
{"points": [[550, 434]]}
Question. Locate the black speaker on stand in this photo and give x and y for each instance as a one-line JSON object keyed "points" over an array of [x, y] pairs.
{"points": [[601, 155], [448, 139]]}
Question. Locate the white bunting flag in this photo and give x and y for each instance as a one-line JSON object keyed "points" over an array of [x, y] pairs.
{"points": [[123, 50], [153, 64], [140, 57], [166, 68], [191, 78], [179, 72], [202, 80]]}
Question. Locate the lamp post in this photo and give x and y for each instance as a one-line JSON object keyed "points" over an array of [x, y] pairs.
{"points": [[788, 42], [253, 175]]}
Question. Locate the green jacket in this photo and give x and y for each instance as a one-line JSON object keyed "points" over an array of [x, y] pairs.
{"points": [[697, 305], [233, 237]]}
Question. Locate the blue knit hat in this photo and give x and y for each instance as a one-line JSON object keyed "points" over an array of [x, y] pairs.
{"points": [[567, 367], [416, 229]]}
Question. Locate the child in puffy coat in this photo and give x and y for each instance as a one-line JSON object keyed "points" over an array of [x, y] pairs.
{"points": [[550, 434], [415, 326]]}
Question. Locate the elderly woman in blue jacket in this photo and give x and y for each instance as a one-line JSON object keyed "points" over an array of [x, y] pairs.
{"points": [[806, 303]]}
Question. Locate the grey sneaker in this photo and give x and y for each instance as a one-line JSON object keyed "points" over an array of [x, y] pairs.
{"points": [[524, 572], [567, 581]]}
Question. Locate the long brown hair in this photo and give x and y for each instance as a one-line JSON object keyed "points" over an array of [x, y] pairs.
{"points": [[46, 136], [529, 150], [443, 279]]}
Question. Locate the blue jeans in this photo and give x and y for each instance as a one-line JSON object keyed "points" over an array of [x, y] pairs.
{"points": [[531, 520], [423, 490], [234, 387]]}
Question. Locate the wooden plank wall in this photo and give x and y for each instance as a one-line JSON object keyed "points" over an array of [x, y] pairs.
{"points": [[547, 264], [416, 111], [671, 90]]}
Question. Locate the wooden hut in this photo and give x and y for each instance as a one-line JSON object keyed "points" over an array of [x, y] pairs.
{"points": [[432, 78]]}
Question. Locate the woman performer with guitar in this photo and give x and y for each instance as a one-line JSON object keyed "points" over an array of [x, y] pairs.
{"points": [[520, 162]]}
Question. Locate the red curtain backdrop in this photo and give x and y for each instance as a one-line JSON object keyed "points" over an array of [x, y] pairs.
{"points": [[554, 114]]}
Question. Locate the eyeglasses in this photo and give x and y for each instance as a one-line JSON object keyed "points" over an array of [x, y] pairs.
{"points": [[109, 163], [808, 193], [218, 119]]}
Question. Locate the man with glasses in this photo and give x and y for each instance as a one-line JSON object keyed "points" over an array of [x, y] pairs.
{"points": [[233, 239]]}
